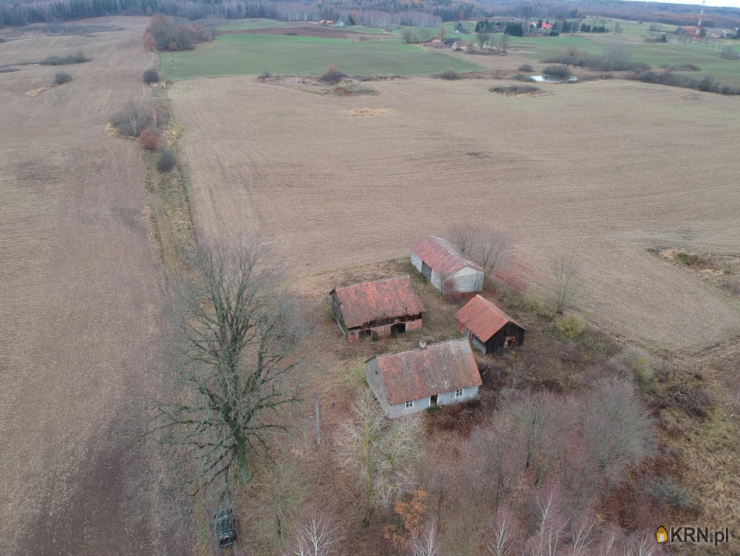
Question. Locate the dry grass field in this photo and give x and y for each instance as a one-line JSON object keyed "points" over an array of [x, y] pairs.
{"points": [[82, 306], [604, 170]]}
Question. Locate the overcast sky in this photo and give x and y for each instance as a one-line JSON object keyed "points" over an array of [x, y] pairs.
{"points": [[733, 3]]}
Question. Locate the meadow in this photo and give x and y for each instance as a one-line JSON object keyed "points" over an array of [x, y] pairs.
{"points": [[299, 55]]}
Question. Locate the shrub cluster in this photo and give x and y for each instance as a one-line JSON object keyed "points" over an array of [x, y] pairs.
{"points": [[78, 58], [62, 77], [526, 68], [449, 74], [150, 76], [570, 325], [614, 63], [706, 83], [732, 286], [415, 36], [133, 119], [515, 89], [557, 71], [166, 161], [684, 67], [729, 53], [163, 35], [693, 400], [332, 75], [148, 140]]}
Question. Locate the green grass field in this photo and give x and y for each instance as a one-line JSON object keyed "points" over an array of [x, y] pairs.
{"points": [[654, 54], [254, 54]]}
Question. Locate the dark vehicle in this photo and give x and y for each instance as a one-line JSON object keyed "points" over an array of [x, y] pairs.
{"points": [[225, 532]]}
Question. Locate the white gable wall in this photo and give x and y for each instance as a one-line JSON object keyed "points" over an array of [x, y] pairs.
{"points": [[465, 280]]}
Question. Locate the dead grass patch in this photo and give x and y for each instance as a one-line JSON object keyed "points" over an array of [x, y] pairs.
{"points": [[37, 92], [368, 111], [345, 87]]}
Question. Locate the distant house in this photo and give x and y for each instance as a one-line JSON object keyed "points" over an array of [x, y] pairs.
{"points": [[488, 328], [460, 45], [450, 41], [339, 23], [427, 376], [378, 309], [547, 25], [436, 43], [686, 30], [446, 267]]}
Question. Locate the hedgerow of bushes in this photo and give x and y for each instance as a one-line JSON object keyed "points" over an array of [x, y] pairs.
{"points": [[69, 59]]}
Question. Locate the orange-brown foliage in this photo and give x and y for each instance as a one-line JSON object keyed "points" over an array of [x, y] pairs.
{"points": [[148, 140]]}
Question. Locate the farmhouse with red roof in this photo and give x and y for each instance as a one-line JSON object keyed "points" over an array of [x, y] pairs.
{"points": [[489, 329], [411, 381], [449, 270], [378, 309]]}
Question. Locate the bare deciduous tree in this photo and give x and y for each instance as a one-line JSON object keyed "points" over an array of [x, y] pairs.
{"points": [[617, 430], [380, 451], [486, 245], [234, 374], [427, 543], [462, 236], [551, 530], [317, 537], [490, 248], [503, 534], [566, 271]]}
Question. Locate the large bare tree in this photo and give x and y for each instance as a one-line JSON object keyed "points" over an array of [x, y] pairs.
{"points": [[380, 451], [233, 371]]}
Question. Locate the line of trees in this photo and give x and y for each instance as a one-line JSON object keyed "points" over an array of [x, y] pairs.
{"points": [[374, 14]]}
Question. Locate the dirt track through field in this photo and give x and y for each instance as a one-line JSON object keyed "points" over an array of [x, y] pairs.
{"points": [[83, 299], [604, 170]]}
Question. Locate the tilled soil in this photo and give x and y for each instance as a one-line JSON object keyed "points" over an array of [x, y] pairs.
{"points": [[83, 301], [604, 170]]}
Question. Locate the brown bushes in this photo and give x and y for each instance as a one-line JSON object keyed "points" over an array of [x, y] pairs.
{"points": [[148, 140]]}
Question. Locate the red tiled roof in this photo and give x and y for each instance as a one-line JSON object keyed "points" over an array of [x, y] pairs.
{"points": [[441, 256], [436, 369], [369, 301], [483, 318]]}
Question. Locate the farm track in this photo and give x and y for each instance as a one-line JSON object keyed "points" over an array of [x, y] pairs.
{"points": [[81, 321], [604, 169]]}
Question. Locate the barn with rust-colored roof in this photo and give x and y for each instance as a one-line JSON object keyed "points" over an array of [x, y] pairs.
{"points": [[489, 329], [447, 268], [379, 309], [427, 376]]}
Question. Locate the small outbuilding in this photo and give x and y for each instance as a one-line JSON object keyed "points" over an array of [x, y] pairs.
{"points": [[461, 45], [379, 309], [488, 328], [411, 381], [447, 268]]}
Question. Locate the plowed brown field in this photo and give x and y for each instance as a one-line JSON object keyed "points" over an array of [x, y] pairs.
{"points": [[82, 299], [603, 169]]}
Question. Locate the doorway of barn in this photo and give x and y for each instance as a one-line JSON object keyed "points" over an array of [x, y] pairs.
{"points": [[397, 329], [433, 402]]}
